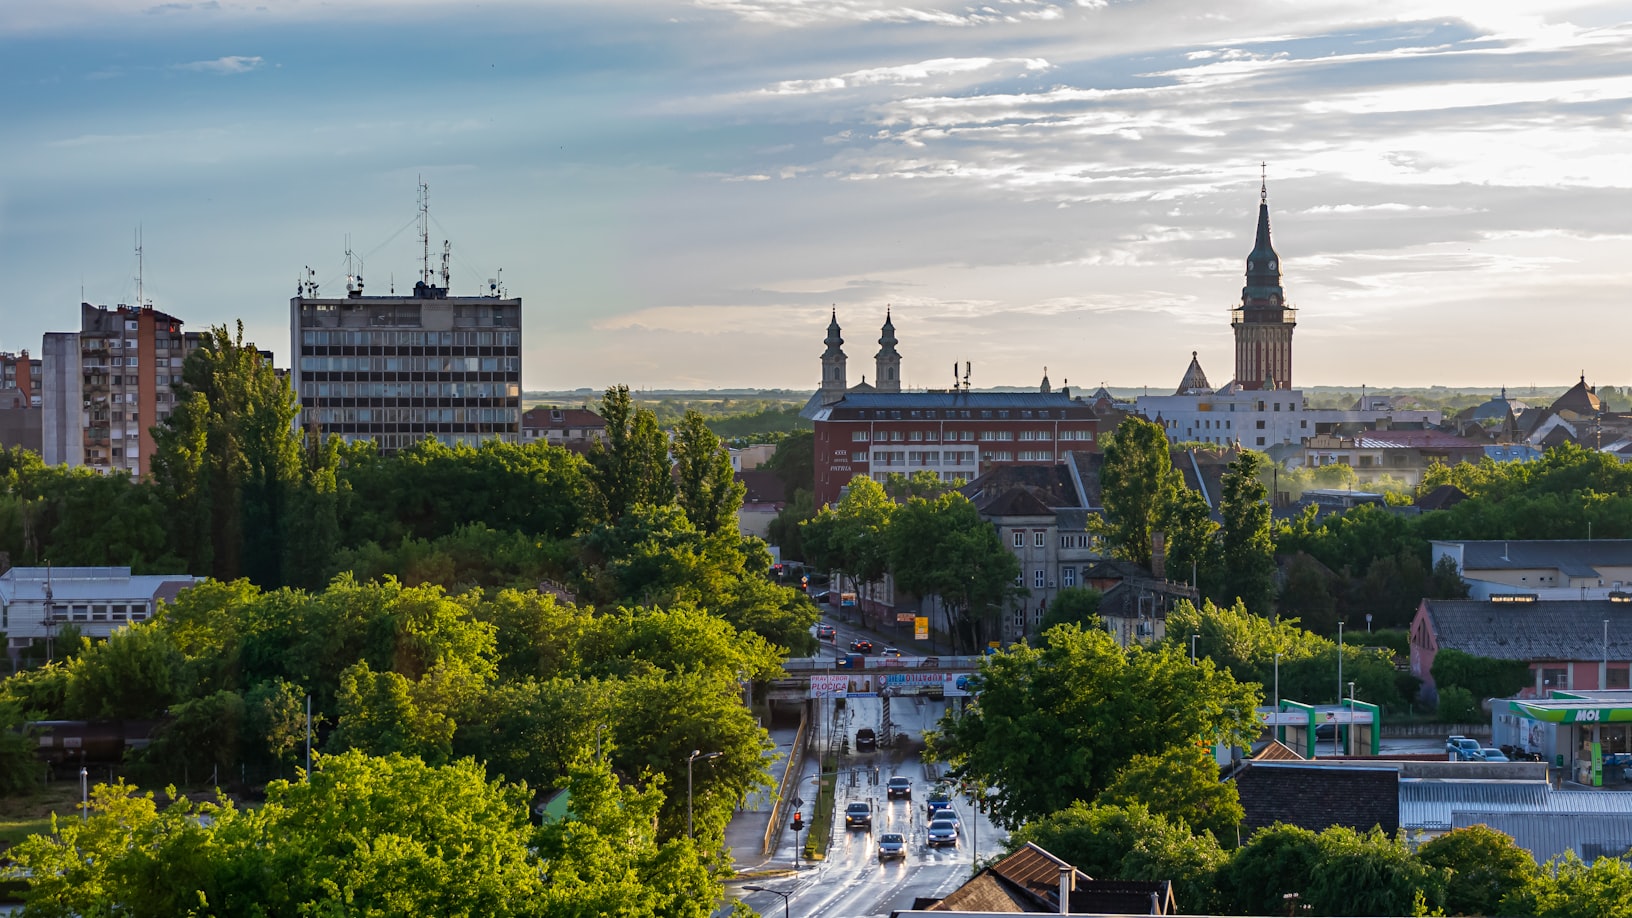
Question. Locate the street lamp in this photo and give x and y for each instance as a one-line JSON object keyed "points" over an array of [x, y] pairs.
{"points": [[695, 755], [1277, 694], [1351, 718], [84, 794], [1193, 648], [777, 892]]}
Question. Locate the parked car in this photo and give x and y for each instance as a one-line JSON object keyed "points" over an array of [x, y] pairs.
{"points": [[866, 740], [898, 786], [826, 632], [939, 799], [1492, 754], [890, 845], [942, 832], [862, 646], [1460, 748], [858, 815]]}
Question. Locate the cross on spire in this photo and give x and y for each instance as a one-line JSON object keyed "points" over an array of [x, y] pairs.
{"points": [[1263, 183]]}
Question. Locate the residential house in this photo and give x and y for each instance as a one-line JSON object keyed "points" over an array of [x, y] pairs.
{"points": [[1543, 568], [573, 428], [1405, 455], [761, 503], [1568, 644], [1033, 881]]}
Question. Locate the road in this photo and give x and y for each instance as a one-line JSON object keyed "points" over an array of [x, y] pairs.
{"points": [[851, 882]]}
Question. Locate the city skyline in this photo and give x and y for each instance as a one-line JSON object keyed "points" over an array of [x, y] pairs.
{"points": [[679, 192]]}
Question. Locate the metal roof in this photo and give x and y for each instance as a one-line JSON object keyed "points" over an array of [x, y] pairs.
{"points": [[1549, 835], [1531, 554], [1431, 803], [88, 584]]}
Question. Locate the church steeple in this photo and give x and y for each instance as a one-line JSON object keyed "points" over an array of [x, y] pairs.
{"points": [[888, 378], [1263, 322], [833, 360]]}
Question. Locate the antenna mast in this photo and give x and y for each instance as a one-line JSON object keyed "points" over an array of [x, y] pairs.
{"points": [[140, 301], [424, 232], [447, 250]]}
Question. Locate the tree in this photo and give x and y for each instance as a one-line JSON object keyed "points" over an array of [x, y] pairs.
{"points": [[1483, 677], [1246, 548], [136, 673], [607, 859], [852, 536], [1482, 867], [795, 461], [1182, 783], [1073, 606], [1369, 873], [631, 467], [1277, 861], [1309, 593], [1137, 481], [708, 492], [942, 547], [1192, 538], [367, 836], [1129, 843], [228, 459], [1566, 888], [1059, 722]]}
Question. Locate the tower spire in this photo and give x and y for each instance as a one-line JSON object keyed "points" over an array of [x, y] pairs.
{"points": [[888, 361]]}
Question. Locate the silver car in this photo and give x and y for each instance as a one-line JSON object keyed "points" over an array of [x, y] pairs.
{"points": [[942, 832], [892, 845]]}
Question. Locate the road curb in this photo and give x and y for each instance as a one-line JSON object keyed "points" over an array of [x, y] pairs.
{"points": [[768, 874]]}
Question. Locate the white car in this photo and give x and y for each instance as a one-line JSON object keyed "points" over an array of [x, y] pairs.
{"points": [[942, 832]]}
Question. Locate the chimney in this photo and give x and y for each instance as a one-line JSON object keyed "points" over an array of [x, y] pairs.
{"points": [[1158, 555], [1067, 882]]}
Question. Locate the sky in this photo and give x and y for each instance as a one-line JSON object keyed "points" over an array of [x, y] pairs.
{"points": [[681, 191]]}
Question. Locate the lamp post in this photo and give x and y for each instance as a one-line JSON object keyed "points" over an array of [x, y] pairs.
{"points": [[1351, 718], [1340, 662], [84, 794], [1277, 694], [695, 755], [1193, 648], [775, 892]]}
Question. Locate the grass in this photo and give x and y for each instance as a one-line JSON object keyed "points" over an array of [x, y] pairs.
{"points": [[30, 814], [821, 818]]}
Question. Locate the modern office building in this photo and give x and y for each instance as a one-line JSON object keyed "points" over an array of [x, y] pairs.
{"points": [[106, 385], [398, 369]]}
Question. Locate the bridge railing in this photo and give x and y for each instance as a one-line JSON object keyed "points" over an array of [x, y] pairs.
{"points": [[820, 665]]}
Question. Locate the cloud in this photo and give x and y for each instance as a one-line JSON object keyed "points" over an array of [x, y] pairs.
{"points": [[902, 74], [225, 65]]}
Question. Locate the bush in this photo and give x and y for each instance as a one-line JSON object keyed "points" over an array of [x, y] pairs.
{"points": [[1457, 705]]}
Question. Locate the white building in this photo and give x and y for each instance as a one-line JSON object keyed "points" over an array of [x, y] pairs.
{"points": [[35, 602]]}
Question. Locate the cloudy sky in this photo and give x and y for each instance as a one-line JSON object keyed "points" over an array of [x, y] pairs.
{"points": [[679, 191]]}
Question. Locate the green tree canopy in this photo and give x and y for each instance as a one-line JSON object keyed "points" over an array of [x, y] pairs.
{"points": [[942, 547], [1138, 482], [1058, 723], [1482, 867]]}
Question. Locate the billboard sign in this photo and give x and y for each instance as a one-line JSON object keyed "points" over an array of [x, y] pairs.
{"points": [[920, 628]]}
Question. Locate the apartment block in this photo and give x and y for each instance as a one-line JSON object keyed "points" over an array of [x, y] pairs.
{"points": [[398, 369], [105, 386]]}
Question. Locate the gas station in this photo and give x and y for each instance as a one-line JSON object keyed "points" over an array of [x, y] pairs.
{"points": [[1354, 726], [1587, 734]]}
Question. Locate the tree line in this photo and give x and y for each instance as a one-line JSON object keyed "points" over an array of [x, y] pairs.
{"points": [[470, 627]]}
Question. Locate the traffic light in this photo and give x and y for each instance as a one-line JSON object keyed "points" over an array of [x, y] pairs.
{"points": [[804, 582], [798, 821]]}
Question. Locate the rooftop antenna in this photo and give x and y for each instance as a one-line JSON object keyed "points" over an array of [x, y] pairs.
{"points": [[350, 276], [967, 366], [140, 301], [424, 232], [447, 250]]}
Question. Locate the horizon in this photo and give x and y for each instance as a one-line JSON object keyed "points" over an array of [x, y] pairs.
{"points": [[680, 191]]}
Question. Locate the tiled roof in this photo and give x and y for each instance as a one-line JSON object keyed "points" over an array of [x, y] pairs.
{"points": [[1544, 630], [561, 419], [1050, 484], [1442, 498], [1547, 554], [1581, 399], [764, 486], [1016, 502], [854, 399], [1318, 797]]}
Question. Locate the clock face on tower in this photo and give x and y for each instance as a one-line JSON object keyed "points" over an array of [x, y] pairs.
{"points": [[1272, 266]]}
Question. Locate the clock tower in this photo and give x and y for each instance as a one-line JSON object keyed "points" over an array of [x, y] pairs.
{"points": [[1263, 323]]}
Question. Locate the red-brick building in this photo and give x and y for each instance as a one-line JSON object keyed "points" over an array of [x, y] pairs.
{"points": [[878, 430]]}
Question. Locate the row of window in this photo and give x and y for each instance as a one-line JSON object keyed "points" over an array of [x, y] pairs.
{"points": [[372, 338], [1039, 538], [951, 413], [1039, 578], [99, 612], [413, 415], [410, 364], [967, 436], [100, 380], [923, 457], [321, 390]]}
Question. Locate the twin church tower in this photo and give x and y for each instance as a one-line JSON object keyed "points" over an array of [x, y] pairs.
{"points": [[1263, 326], [888, 377]]}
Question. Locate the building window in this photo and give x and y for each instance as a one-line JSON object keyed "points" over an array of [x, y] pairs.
{"points": [[1040, 536], [1260, 425], [1019, 539], [858, 457], [1615, 678], [917, 435], [1037, 579], [1068, 576], [1555, 678], [860, 436]]}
